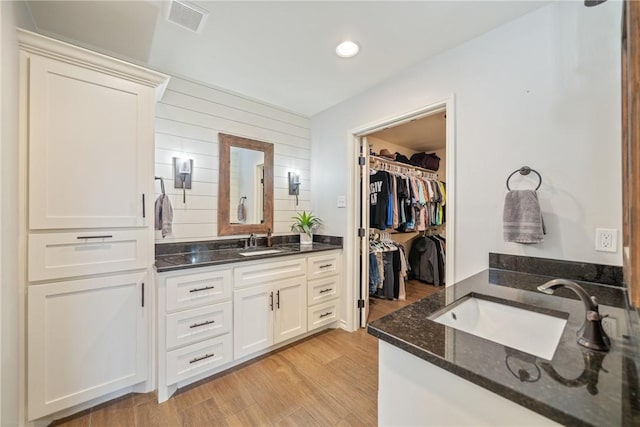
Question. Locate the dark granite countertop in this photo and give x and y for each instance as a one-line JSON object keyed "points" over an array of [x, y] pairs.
{"points": [[180, 256], [576, 387]]}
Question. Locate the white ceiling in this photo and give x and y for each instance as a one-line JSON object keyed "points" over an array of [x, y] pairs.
{"points": [[282, 53], [428, 133]]}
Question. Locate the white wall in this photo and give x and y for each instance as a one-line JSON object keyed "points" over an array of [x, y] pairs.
{"points": [[11, 14], [188, 119], [543, 91]]}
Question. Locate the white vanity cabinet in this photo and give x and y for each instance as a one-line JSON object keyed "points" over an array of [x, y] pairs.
{"points": [[195, 324], [273, 311], [86, 214], [213, 318]]}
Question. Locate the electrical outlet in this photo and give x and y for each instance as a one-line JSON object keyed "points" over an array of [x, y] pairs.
{"points": [[606, 239], [342, 202]]}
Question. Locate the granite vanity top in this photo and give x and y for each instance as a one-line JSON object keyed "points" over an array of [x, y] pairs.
{"points": [[576, 387], [178, 256]]}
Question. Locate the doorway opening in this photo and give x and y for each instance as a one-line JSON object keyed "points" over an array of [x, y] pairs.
{"points": [[405, 210]]}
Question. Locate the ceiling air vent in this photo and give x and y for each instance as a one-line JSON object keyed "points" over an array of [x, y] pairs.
{"points": [[187, 15]]}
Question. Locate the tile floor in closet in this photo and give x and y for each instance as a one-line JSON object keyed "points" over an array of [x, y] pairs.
{"points": [[330, 379]]}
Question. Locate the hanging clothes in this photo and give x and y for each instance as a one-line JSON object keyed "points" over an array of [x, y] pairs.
{"points": [[378, 199], [405, 202], [388, 269], [427, 259]]}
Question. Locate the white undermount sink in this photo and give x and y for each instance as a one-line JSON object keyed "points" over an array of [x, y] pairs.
{"points": [[261, 252], [525, 330]]}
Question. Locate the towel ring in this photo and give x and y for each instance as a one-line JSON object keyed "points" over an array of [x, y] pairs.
{"points": [[525, 170]]}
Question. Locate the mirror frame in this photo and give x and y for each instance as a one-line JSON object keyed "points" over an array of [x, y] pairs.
{"points": [[225, 227], [631, 149]]}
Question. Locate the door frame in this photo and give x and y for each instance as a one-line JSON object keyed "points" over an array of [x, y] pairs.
{"points": [[352, 244]]}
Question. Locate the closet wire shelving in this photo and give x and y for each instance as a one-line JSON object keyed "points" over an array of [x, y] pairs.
{"points": [[382, 163]]}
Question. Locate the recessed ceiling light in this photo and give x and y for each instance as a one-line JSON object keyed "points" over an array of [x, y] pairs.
{"points": [[347, 49]]}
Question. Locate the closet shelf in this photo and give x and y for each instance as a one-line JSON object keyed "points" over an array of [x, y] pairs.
{"points": [[388, 164]]}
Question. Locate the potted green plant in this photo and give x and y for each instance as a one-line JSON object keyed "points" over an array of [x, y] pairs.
{"points": [[305, 224]]}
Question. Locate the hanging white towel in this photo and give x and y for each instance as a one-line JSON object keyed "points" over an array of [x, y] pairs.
{"points": [[163, 215], [522, 218]]}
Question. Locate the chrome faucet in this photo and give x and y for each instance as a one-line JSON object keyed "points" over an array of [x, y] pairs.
{"points": [[591, 335], [252, 240], [269, 234]]}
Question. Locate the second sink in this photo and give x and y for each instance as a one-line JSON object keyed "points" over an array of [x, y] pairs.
{"points": [[260, 252], [500, 321]]}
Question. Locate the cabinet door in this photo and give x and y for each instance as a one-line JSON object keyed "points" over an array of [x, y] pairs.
{"points": [[290, 309], [252, 320], [86, 338], [90, 137]]}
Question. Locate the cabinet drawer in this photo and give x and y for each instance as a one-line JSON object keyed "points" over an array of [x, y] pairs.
{"points": [[323, 265], [322, 314], [58, 255], [198, 358], [186, 327], [325, 289], [257, 274], [192, 290]]}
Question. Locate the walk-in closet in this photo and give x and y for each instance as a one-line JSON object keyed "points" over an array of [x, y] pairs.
{"points": [[403, 214]]}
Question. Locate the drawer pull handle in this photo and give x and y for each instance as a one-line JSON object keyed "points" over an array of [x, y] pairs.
{"points": [[326, 265], [328, 313], [206, 322], [271, 301], [105, 236], [326, 290], [201, 289], [206, 356]]}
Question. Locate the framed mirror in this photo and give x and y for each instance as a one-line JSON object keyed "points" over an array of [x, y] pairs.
{"points": [[245, 187]]}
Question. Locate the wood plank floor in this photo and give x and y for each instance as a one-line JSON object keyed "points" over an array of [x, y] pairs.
{"points": [[330, 379], [415, 290]]}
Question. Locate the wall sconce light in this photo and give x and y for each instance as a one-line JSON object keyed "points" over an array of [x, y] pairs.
{"points": [[182, 173], [294, 185]]}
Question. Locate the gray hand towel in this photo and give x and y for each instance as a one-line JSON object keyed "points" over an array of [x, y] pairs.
{"points": [[163, 215], [522, 218], [242, 210]]}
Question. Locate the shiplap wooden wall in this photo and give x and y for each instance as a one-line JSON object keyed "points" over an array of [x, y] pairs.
{"points": [[188, 119]]}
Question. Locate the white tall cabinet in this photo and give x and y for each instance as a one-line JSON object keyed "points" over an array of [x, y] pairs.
{"points": [[86, 187]]}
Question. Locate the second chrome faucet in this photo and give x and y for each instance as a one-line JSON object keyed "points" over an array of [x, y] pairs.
{"points": [[591, 335]]}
